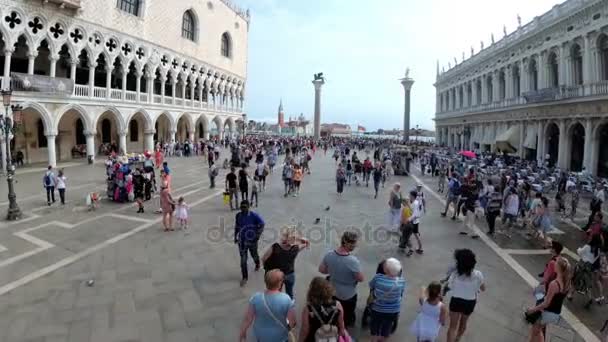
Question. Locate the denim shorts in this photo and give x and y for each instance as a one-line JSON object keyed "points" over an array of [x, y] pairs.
{"points": [[549, 318]]}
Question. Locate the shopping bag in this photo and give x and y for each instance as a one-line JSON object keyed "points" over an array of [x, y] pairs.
{"points": [[226, 197]]}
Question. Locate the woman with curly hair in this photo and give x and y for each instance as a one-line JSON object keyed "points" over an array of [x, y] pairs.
{"points": [[464, 284], [322, 313]]}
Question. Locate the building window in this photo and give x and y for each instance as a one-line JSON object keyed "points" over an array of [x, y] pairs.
{"points": [[40, 132], [129, 6], [188, 26], [133, 131], [226, 45]]}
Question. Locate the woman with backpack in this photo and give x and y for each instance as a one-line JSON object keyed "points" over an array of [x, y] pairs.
{"points": [[323, 316]]}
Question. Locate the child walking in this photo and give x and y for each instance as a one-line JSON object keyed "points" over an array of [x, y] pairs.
{"points": [[432, 315], [182, 213]]}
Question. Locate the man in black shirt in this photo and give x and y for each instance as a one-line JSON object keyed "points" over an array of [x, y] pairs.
{"points": [[231, 187]]}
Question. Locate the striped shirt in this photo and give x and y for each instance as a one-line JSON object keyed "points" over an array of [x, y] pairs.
{"points": [[388, 293]]}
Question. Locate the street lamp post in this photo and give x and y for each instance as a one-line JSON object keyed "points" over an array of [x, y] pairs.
{"points": [[417, 132], [6, 126]]}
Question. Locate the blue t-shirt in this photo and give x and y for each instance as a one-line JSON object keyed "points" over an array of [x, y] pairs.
{"points": [[265, 327], [388, 293], [248, 226]]}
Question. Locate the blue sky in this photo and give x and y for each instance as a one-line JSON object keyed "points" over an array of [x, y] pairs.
{"points": [[363, 48]]}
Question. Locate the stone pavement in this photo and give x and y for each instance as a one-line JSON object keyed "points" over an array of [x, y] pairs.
{"points": [[184, 286]]}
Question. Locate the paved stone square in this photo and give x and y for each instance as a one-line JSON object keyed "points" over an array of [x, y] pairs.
{"points": [[184, 286]]}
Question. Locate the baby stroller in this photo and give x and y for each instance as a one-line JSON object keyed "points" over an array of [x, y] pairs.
{"points": [[582, 280]]}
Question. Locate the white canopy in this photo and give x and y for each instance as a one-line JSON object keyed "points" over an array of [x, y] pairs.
{"points": [[531, 137], [508, 141]]}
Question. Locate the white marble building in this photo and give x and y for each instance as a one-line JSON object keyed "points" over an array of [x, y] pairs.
{"points": [[540, 91], [123, 72]]}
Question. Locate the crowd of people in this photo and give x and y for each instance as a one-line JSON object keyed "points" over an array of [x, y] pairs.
{"points": [[489, 186]]}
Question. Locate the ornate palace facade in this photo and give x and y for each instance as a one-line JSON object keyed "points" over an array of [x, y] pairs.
{"points": [[540, 92], [122, 72]]}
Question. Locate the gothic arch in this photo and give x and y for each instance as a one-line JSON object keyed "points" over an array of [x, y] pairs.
{"points": [[117, 116], [77, 108], [169, 116], [49, 127], [186, 116], [147, 118]]}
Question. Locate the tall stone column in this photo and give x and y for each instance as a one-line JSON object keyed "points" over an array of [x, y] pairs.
{"points": [[589, 147], [31, 59], [407, 82], [92, 66], [450, 138], [50, 140], [522, 136], [122, 142], [90, 140], [149, 140], [318, 83], [540, 145], [562, 157]]}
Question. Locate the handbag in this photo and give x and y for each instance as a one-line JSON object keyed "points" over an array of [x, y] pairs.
{"points": [[290, 336]]}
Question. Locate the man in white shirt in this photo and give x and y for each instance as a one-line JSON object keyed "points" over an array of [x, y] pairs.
{"points": [[417, 208]]}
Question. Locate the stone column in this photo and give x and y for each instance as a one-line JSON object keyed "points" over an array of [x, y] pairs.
{"points": [[163, 80], [522, 136], [8, 53], [50, 140], [524, 83], [149, 140], [73, 64], [138, 74], [407, 82], [562, 77], [124, 72], [589, 146], [586, 59], [109, 69], [484, 89], [457, 102], [562, 157], [173, 134], [92, 67], [122, 142], [450, 139], [53, 62], [318, 84], [173, 83], [191, 136], [192, 88], [150, 86], [90, 140], [495, 86], [540, 145], [183, 90], [543, 68], [201, 85], [31, 59], [474, 95]]}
